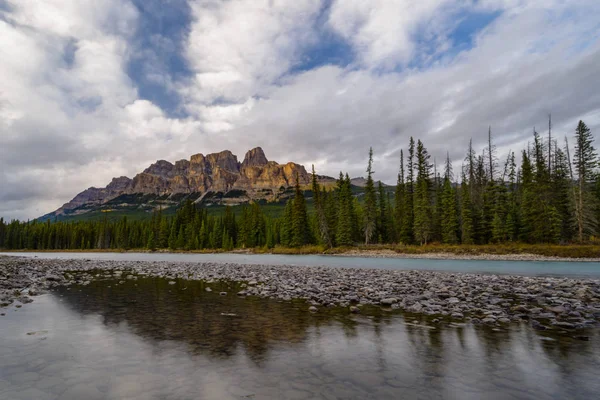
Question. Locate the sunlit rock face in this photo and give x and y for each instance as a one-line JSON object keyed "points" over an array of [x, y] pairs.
{"points": [[221, 172]]}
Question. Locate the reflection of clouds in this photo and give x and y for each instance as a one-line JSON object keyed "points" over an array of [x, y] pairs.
{"points": [[100, 343]]}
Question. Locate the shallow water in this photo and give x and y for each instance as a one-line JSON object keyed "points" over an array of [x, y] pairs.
{"points": [[528, 268], [148, 339]]}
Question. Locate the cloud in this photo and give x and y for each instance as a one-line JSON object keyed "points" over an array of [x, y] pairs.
{"points": [[79, 102], [236, 47], [383, 31]]}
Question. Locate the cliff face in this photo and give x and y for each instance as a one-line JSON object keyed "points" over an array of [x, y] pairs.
{"points": [[216, 172]]}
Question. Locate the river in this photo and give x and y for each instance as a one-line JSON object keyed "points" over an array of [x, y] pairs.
{"points": [[529, 268], [148, 339]]}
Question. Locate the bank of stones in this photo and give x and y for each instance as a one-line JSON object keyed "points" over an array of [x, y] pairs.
{"points": [[547, 302]]}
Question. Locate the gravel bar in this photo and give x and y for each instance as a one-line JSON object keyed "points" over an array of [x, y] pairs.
{"points": [[546, 302]]}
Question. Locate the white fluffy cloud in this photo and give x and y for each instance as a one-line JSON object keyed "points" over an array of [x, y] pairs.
{"points": [[383, 31], [71, 116], [237, 47]]}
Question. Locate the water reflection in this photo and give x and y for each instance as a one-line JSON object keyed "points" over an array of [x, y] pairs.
{"points": [[148, 339]]}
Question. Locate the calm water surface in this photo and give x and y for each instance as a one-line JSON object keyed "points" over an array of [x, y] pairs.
{"points": [[148, 339], [530, 268]]}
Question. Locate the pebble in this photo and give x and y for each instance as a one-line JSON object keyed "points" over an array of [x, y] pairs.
{"points": [[563, 303]]}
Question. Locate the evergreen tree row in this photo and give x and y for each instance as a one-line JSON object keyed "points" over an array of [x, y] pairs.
{"points": [[551, 197]]}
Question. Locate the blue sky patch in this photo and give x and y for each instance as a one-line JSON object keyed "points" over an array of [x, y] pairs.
{"points": [[157, 61]]}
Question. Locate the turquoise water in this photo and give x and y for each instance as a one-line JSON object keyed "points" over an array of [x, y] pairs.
{"points": [[145, 339], [530, 268]]}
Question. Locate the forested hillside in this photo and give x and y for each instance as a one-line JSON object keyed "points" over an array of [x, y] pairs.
{"points": [[552, 196]]}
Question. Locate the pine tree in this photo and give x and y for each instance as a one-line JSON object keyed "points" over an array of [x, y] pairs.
{"points": [[449, 213], [300, 233], [407, 232], [286, 224], [422, 201], [323, 226], [173, 237], [344, 234], [151, 245], [383, 224], [370, 205], [562, 198], [585, 161], [466, 213], [399, 200]]}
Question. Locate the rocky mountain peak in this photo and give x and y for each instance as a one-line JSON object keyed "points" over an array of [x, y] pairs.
{"points": [[119, 184], [161, 168], [225, 160], [255, 158]]}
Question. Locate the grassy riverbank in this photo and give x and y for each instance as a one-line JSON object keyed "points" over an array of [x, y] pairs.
{"points": [[451, 251], [514, 250]]}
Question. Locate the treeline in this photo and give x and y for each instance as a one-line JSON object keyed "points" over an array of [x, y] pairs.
{"points": [[551, 197]]}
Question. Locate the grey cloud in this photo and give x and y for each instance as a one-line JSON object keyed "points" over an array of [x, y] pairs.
{"points": [[518, 72]]}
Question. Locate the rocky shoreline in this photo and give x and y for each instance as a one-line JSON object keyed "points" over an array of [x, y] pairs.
{"points": [[545, 302]]}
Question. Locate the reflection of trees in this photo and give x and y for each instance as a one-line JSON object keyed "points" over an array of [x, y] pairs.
{"points": [[207, 322]]}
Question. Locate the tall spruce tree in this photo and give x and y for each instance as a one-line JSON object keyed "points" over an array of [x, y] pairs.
{"points": [[466, 217], [422, 197], [585, 161], [321, 219], [300, 234], [449, 212], [407, 231], [344, 235], [370, 205], [399, 201]]}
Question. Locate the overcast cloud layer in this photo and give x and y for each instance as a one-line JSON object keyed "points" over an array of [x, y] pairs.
{"points": [[95, 89]]}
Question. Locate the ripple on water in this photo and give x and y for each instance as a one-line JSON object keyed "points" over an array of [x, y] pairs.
{"points": [[177, 344]]}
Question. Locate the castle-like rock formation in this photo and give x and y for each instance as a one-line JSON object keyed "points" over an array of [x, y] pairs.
{"points": [[221, 172]]}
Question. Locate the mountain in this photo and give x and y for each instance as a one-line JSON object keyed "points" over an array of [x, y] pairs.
{"points": [[217, 178]]}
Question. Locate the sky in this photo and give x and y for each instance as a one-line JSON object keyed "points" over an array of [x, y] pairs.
{"points": [[94, 89]]}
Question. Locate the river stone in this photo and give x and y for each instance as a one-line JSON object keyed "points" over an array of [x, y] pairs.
{"points": [[389, 301], [313, 309], [208, 289], [415, 308], [354, 309], [223, 294], [563, 324]]}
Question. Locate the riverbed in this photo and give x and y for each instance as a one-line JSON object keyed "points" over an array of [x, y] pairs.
{"points": [[114, 326], [148, 338]]}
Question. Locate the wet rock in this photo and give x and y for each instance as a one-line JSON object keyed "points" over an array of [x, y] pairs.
{"points": [[208, 289], [223, 294], [313, 309], [354, 309], [563, 324], [537, 326], [389, 301]]}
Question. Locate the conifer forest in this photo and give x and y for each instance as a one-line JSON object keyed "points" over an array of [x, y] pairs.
{"points": [[547, 193]]}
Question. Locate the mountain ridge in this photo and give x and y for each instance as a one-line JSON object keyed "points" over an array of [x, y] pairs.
{"points": [[255, 178]]}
